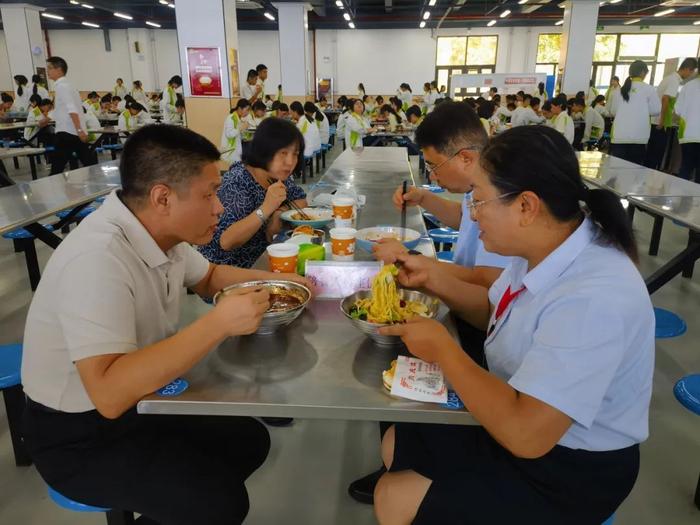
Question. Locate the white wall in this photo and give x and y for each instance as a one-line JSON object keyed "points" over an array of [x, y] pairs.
{"points": [[381, 59]]}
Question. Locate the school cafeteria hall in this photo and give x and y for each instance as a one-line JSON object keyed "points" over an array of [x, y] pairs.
{"points": [[349, 262]]}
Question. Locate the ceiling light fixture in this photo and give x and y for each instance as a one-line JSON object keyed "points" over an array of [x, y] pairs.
{"points": [[152, 24], [505, 13], [664, 12], [633, 21], [122, 15], [87, 6], [49, 15], [351, 25], [559, 22], [491, 23], [346, 16], [614, 1], [522, 2], [338, 3], [422, 24], [171, 6], [426, 15], [431, 3], [74, 2], [90, 24], [163, 2], [269, 16]]}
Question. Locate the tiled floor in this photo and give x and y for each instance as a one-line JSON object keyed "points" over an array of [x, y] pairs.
{"points": [[305, 478]]}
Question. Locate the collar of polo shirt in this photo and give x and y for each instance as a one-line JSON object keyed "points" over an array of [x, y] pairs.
{"points": [[135, 232]]}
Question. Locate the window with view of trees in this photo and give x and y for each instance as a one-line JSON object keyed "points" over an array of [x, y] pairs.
{"points": [[458, 55]]}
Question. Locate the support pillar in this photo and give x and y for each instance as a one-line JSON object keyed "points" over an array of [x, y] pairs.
{"points": [[26, 49], [295, 63], [577, 43]]}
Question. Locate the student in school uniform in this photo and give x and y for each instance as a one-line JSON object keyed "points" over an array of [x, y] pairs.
{"points": [[91, 123], [564, 404], [662, 127], [120, 89], [261, 70], [687, 108], [105, 107], [598, 105], [346, 108], [369, 106], [179, 117], [71, 134], [592, 92], [250, 90], [361, 92], [138, 94], [614, 86], [258, 113], [231, 137], [22, 94], [283, 111], [595, 123], [38, 118], [548, 115], [632, 107], [6, 102], [134, 116], [541, 92], [307, 125], [91, 352], [320, 119], [169, 95], [485, 112], [38, 87], [92, 103], [451, 139], [405, 95], [562, 121], [525, 115], [356, 126], [397, 106]]}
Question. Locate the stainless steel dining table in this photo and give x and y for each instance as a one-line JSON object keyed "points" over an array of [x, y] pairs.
{"points": [[320, 366]]}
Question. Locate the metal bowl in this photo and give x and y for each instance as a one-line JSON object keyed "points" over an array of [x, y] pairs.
{"points": [[274, 320], [436, 310]]}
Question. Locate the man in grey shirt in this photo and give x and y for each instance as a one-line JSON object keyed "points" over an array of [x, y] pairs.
{"points": [[102, 332]]}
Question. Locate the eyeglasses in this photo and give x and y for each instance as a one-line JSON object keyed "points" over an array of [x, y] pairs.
{"points": [[432, 169], [473, 205]]}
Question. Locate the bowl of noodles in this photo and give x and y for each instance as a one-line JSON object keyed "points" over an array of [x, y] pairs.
{"points": [[385, 304], [367, 237], [317, 217]]}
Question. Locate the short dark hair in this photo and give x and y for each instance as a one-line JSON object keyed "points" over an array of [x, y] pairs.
{"points": [[272, 135], [535, 101], [579, 102], [93, 94], [415, 111], [36, 99], [252, 73], [162, 154], [135, 105], [547, 106], [180, 102], [176, 79], [116, 98], [487, 109], [6, 99], [689, 63], [296, 107], [283, 107], [46, 102], [260, 67], [450, 127], [241, 104], [259, 105], [106, 98], [59, 63], [494, 89]]}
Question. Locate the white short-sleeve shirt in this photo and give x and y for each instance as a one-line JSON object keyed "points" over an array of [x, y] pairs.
{"points": [[579, 338], [107, 289], [67, 101], [469, 250]]}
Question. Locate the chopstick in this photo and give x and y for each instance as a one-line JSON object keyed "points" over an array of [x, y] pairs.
{"points": [[403, 211], [292, 204]]}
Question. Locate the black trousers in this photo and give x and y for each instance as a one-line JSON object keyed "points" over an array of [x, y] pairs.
{"points": [[176, 470], [690, 161], [476, 481], [659, 141], [632, 152], [66, 145]]}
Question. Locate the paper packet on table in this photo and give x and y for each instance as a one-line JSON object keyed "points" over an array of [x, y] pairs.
{"points": [[326, 199], [419, 381], [336, 279]]}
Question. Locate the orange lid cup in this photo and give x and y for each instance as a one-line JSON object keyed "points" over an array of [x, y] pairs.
{"points": [[283, 257]]}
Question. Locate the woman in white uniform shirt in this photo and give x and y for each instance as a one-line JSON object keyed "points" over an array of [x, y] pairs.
{"points": [[38, 88], [139, 95], [307, 125], [632, 106], [563, 122], [356, 126], [251, 89], [320, 119], [570, 352], [405, 95], [22, 94], [134, 116], [231, 138]]}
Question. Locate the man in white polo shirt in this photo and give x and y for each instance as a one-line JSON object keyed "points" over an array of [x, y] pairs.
{"points": [[102, 333], [71, 131]]}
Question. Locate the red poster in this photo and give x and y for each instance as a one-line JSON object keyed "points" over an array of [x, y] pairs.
{"points": [[204, 66]]}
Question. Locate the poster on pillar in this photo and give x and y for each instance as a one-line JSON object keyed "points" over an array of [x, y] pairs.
{"points": [[204, 69]]}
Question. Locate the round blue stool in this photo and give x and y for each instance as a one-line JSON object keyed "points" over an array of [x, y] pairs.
{"points": [[443, 237], [668, 324], [68, 504], [446, 256], [15, 401], [610, 520], [431, 220], [687, 392]]}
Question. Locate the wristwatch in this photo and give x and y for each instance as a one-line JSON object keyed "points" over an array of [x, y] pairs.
{"points": [[260, 215]]}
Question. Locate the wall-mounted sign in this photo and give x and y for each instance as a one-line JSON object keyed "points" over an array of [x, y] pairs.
{"points": [[204, 69]]}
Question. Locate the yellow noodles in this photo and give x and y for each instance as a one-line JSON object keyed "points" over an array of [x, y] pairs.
{"points": [[385, 305]]}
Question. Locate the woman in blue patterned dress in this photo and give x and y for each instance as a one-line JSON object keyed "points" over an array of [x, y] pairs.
{"points": [[252, 204]]}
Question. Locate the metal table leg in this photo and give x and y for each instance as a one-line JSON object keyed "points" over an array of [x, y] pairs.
{"points": [[656, 235], [681, 263]]}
